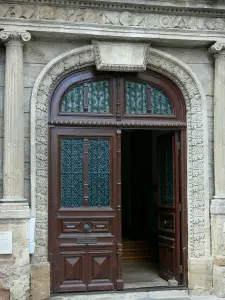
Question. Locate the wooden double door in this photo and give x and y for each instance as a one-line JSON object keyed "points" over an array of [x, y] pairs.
{"points": [[85, 249]]}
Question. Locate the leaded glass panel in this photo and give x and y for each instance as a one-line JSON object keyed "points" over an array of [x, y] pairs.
{"points": [[166, 172], [160, 103], [98, 172], [98, 96], [73, 101], [141, 98], [72, 172], [136, 98]]}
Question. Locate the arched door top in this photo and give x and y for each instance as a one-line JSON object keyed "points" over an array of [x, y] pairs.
{"points": [[144, 98]]}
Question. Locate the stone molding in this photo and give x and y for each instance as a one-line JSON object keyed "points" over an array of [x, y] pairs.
{"points": [[14, 35], [120, 56], [116, 15], [217, 48], [197, 139]]}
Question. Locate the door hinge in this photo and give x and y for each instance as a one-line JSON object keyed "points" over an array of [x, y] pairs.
{"points": [[179, 206], [181, 269], [178, 145]]}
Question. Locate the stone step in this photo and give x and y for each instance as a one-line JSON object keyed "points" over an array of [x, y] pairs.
{"points": [[128, 295]]}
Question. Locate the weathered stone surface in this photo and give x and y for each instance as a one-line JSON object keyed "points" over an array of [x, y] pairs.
{"points": [[1, 101], [200, 276], [31, 71], [219, 280], [40, 281], [2, 74], [27, 98], [190, 56], [15, 268], [42, 52], [205, 74]]}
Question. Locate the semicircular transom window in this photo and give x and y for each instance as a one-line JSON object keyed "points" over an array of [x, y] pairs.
{"points": [[142, 98], [93, 97]]}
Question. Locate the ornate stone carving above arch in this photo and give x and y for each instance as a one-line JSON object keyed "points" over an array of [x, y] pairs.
{"points": [[197, 152]]}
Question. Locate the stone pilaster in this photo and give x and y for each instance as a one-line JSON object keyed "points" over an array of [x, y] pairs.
{"points": [[13, 162], [218, 201], [14, 208]]}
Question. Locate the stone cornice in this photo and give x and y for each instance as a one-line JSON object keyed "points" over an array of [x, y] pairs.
{"points": [[188, 6], [14, 35]]}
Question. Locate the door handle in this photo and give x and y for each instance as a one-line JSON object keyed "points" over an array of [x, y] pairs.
{"points": [[165, 222]]}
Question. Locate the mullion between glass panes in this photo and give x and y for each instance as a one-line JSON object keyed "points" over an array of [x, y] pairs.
{"points": [[85, 172]]}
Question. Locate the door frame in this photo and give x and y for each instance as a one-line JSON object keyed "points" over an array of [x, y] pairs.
{"points": [[182, 177], [118, 120]]}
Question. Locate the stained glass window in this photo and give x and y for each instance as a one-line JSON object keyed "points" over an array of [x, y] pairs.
{"points": [[160, 103], [144, 99], [72, 172], [97, 95], [98, 172], [166, 172], [136, 98], [73, 101], [74, 168]]}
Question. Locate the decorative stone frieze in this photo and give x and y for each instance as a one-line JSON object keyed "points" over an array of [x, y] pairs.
{"points": [[90, 13]]}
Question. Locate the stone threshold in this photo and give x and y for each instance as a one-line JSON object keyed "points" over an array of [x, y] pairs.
{"points": [[172, 294]]}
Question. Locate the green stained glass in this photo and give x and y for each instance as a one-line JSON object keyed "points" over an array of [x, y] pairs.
{"points": [[136, 98], [98, 172], [166, 172], [138, 101], [160, 103], [98, 96], [73, 101], [72, 172]]}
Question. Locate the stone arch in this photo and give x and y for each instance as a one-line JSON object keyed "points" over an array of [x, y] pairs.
{"points": [[197, 141]]}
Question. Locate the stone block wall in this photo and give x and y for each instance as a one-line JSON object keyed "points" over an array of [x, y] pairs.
{"points": [[202, 64]]}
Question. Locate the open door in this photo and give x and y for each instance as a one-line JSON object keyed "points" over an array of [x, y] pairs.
{"points": [[84, 212], [168, 206]]}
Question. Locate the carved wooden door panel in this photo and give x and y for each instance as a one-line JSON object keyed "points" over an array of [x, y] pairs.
{"points": [[84, 210], [168, 206]]}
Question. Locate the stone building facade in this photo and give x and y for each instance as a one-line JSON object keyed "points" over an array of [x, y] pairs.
{"points": [[41, 42]]}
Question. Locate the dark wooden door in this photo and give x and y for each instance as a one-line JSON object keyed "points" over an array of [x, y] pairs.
{"points": [[168, 206], [84, 210]]}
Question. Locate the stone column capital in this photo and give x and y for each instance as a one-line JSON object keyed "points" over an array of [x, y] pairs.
{"points": [[14, 35], [218, 48]]}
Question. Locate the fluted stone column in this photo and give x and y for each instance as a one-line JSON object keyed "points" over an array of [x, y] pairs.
{"points": [[14, 208], [13, 161], [218, 201]]}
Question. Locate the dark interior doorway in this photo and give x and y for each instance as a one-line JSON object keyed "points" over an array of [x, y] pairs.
{"points": [[140, 221]]}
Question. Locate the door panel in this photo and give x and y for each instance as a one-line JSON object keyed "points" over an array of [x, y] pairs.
{"points": [[168, 206], [84, 197]]}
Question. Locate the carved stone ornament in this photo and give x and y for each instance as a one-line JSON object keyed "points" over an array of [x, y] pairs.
{"points": [[197, 142], [96, 13], [120, 56], [217, 47], [9, 35]]}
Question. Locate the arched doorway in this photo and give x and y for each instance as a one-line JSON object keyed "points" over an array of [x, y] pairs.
{"points": [[99, 118]]}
